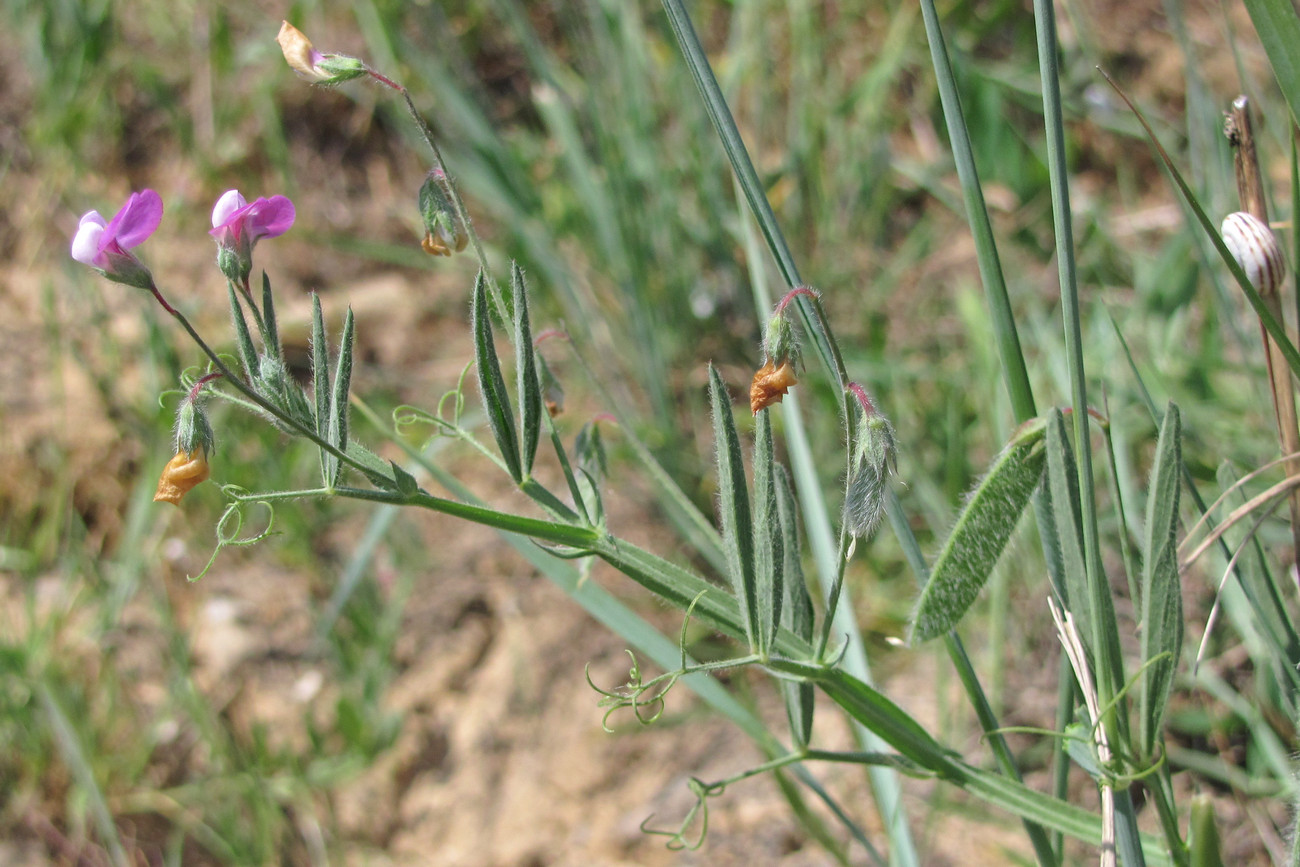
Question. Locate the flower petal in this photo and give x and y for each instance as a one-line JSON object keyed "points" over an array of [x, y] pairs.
{"points": [[271, 217], [138, 219], [230, 202], [85, 244]]}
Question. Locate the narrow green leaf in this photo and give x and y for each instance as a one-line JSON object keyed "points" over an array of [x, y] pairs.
{"points": [[1161, 629], [1001, 318], [797, 612], [320, 385], [769, 557], [491, 384], [1063, 482], [270, 332], [563, 457], [73, 753], [1278, 27], [737, 531], [530, 387], [1092, 608], [247, 351], [338, 429], [1203, 834], [983, 529]]}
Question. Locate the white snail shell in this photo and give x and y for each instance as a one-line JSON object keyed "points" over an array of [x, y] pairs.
{"points": [[1256, 249]]}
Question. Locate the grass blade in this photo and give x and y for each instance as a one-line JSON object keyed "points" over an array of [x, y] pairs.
{"points": [[1278, 27], [1063, 481]]}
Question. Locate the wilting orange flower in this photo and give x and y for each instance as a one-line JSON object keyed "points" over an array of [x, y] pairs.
{"points": [[770, 385], [444, 243], [182, 473]]}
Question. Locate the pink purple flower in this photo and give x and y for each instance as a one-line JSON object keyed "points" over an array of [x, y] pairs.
{"points": [[237, 225], [235, 220], [106, 246]]}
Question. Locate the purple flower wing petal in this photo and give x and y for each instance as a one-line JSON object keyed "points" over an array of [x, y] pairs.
{"points": [[138, 219], [274, 217]]}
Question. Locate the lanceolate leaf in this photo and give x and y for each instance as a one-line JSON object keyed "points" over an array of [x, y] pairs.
{"points": [[737, 531], [530, 387], [492, 385], [247, 352], [982, 532], [270, 332], [769, 557], [320, 366], [1162, 602], [338, 430], [797, 613]]}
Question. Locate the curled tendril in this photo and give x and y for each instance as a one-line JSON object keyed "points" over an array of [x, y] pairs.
{"points": [[645, 698], [406, 417], [697, 815], [232, 522]]}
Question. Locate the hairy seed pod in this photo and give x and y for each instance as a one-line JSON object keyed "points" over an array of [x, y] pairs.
{"points": [[1256, 249]]}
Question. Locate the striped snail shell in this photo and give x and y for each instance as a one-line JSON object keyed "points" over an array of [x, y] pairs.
{"points": [[1256, 249]]}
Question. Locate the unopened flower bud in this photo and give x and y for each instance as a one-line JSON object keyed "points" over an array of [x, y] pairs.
{"points": [[193, 430], [444, 232], [872, 464]]}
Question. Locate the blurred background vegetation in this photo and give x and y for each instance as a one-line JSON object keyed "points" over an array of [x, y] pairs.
{"points": [[575, 133]]}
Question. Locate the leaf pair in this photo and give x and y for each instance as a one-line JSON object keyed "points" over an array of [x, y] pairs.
{"points": [[517, 451], [762, 545], [331, 399]]}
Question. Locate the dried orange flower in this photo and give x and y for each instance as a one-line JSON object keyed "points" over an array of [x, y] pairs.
{"points": [[182, 473], [770, 385]]}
